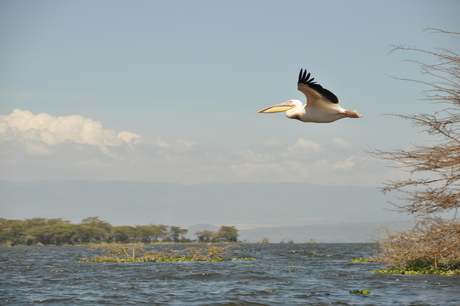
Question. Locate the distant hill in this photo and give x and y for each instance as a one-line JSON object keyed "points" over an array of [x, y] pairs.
{"points": [[245, 205], [347, 232], [327, 233]]}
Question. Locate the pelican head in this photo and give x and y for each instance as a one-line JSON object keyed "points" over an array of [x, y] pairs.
{"points": [[282, 107]]}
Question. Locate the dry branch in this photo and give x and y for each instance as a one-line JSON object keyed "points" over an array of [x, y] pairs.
{"points": [[433, 185]]}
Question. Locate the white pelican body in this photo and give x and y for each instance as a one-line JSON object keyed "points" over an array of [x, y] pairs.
{"points": [[322, 105]]}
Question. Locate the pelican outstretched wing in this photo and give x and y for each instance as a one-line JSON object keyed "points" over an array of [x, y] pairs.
{"points": [[313, 91]]}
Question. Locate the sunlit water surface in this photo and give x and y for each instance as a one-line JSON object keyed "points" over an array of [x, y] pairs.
{"points": [[283, 274]]}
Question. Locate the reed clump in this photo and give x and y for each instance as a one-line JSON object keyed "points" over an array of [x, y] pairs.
{"points": [[117, 252]]}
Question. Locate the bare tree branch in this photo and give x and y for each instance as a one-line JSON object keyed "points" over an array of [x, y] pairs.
{"points": [[433, 184]]}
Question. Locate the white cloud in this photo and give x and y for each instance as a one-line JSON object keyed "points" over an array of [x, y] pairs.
{"points": [[53, 130], [43, 146], [303, 161], [271, 142], [127, 136], [342, 144], [177, 146], [301, 149], [344, 164], [37, 149]]}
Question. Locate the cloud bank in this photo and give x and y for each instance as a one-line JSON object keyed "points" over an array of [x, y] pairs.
{"points": [[42, 146], [53, 130]]}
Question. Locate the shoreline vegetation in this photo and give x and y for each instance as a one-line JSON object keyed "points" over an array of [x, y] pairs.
{"points": [[92, 230], [414, 267]]}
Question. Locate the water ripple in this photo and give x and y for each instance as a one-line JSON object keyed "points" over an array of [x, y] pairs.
{"points": [[283, 274]]}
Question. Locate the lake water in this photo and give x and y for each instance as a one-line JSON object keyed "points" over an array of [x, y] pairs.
{"points": [[283, 274]]}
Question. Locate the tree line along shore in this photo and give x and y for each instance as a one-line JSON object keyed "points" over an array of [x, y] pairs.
{"points": [[56, 231]]}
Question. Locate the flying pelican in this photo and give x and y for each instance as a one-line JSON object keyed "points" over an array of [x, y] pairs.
{"points": [[322, 105]]}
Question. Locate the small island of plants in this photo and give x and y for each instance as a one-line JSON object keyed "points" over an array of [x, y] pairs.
{"points": [[137, 252], [360, 291]]}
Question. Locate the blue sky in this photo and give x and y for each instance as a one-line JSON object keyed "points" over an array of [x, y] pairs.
{"points": [[169, 90]]}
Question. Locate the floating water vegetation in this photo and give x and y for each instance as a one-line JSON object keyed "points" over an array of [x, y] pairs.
{"points": [[116, 252], [364, 259], [243, 259], [416, 267], [399, 271], [360, 291], [425, 266]]}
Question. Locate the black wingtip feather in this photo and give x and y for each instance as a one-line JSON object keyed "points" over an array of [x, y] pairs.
{"points": [[304, 78]]}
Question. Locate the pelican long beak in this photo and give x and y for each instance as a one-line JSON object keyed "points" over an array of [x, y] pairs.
{"points": [[282, 107]]}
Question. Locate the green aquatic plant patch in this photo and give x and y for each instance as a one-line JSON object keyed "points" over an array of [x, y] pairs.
{"points": [[364, 259], [243, 259], [400, 271], [424, 267], [360, 292], [417, 267], [115, 252]]}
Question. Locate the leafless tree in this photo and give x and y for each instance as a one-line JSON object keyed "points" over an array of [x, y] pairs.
{"points": [[432, 188]]}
